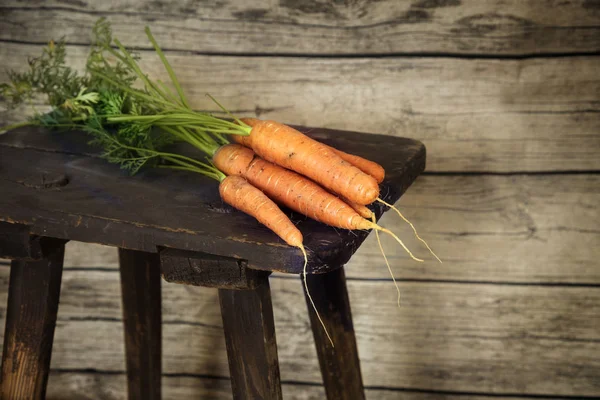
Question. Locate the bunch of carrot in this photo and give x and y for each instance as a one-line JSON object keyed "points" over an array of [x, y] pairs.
{"points": [[268, 165], [295, 170]]}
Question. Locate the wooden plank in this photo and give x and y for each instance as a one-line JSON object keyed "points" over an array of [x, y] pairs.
{"points": [[85, 385], [512, 27], [471, 114], [519, 228], [16, 242], [96, 205], [30, 317], [200, 269], [251, 342], [141, 298], [445, 336], [536, 228], [338, 359]]}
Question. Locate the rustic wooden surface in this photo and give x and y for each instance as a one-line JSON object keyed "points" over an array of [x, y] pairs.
{"points": [[31, 315], [518, 228], [339, 362], [17, 243], [512, 27], [96, 202], [475, 115], [96, 384], [505, 96], [201, 269], [141, 299], [444, 337], [251, 342], [494, 229]]}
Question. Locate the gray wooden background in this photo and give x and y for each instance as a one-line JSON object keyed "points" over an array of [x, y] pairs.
{"points": [[506, 97]]}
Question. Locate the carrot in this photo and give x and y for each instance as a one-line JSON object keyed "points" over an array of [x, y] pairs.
{"points": [[238, 193], [245, 140], [367, 166], [294, 191], [363, 211], [310, 158], [376, 171], [289, 188]]}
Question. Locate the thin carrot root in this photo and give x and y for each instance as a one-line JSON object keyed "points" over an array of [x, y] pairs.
{"points": [[412, 226], [392, 234], [385, 258], [310, 297]]}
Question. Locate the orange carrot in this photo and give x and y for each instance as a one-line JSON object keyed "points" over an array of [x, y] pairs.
{"points": [[363, 211], [289, 188], [293, 190], [238, 193], [367, 166], [245, 140], [310, 158]]}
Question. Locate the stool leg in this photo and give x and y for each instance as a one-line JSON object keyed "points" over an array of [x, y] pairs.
{"points": [[340, 366], [33, 295], [251, 345], [141, 297]]}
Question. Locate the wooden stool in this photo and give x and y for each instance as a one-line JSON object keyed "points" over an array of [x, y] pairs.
{"points": [[55, 188]]}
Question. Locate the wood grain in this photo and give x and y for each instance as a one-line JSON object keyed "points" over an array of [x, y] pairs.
{"points": [[520, 228], [201, 269], [251, 343], [445, 336], [339, 360], [512, 27], [142, 320], [30, 317], [471, 114], [103, 386], [17, 243], [102, 204]]}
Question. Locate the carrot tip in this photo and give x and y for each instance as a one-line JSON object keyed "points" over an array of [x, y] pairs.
{"points": [[392, 234]]}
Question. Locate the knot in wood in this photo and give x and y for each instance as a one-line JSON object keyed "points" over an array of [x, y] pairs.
{"points": [[46, 181]]}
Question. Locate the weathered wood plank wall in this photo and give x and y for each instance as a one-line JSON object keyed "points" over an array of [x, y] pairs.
{"points": [[506, 97], [472, 114], [510, 27]]}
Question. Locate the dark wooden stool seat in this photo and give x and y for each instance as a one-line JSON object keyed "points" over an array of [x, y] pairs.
{"points": [[55, 188]]}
